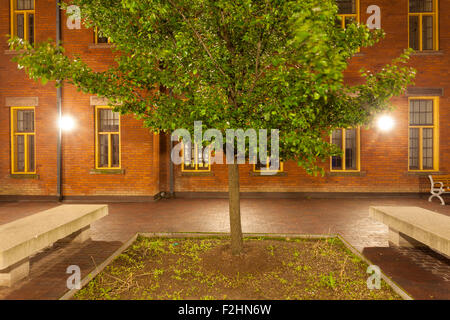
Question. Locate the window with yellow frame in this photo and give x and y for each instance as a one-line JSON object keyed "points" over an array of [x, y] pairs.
{"points": [[423, 25], [107, 138], [23, 19], [195, 158], [348, 11], [98, 38], [348, 140], [423, 148], [260, 167], [23, 146]]}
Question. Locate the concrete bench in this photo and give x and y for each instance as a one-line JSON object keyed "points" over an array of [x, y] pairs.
{"points": [[25, 237], [414, 226], [440, 184]]}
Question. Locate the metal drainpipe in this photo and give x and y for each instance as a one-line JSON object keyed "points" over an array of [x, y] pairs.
{"points": [[59, 111], [171, 176]]}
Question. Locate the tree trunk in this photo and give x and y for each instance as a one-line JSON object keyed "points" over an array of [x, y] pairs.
{"points": [[235, 209]]}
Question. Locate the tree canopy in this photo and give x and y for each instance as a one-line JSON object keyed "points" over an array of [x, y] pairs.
{"points": [[261, 64]]}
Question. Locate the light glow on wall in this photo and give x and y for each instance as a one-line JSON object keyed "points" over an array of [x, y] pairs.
{"points": [[67, 123], [385, 123]]}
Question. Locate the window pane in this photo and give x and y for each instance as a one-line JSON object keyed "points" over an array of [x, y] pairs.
{"points": [[19, 155], [414, 148], [346, 6], [20, 26], [25, 4], [259, 166], [336, 161], [115, 160], [31, 153], [349, 21], [188, 152], [427, 148], [103, 150], [108, 120], [421, 112], [25, 121], [427, 33], [102, 40], [350, 150], [420, 5], [414, 37], [338, 22], [31, 28]]}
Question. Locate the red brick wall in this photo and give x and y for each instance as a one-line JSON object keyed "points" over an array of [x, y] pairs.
{"points": [[384, 163], [140, 160], [384, 156], [14, 83]]}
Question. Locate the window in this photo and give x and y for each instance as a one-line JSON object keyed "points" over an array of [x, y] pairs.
{"points": [[260, 167], [348, 11], [423, 25], [195, 158], [347, 140], [107, 137], [98, 38], [423, 134], [22, 19], [23, 148]]}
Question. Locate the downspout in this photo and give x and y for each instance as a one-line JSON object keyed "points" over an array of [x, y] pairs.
{"points": [[59, 111], [171, 176]]}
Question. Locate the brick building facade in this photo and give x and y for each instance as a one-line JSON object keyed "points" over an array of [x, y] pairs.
{"points": [[128, 161]]}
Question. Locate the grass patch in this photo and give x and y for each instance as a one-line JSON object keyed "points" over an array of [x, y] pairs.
{"points": [[204, 269]]}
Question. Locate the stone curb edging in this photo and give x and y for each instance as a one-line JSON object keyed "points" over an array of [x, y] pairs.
{"points": [[69, 295]]}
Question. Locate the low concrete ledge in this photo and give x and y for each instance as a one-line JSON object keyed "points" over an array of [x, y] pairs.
{"points": [[22, 238], [425, 226]]}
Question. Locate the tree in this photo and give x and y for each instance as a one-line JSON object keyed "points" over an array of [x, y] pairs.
{"points": [[261, 64]]}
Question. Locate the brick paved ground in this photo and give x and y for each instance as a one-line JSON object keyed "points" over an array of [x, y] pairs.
{"points": [[423, 273]]}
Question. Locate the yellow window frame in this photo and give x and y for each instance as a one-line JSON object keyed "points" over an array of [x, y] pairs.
{"points": [[97, 133], [435, 128], [281, 169], [15, 12], [25, 134], [435, 15], [196, 164], [348, 15], [96, 36], [358, 152]]}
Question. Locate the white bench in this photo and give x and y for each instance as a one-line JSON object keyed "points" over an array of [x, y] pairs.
{"points": [[414, 226], [25, 237], [440, 184]]}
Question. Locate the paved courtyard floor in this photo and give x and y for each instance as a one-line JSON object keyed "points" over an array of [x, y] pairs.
{"points": [[423, 273]]}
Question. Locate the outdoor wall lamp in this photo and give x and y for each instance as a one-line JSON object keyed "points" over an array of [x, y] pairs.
{"points": [[385, 123], [66, 123]]}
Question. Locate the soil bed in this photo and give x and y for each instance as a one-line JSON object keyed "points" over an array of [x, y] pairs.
{"points": [[205, 269]]}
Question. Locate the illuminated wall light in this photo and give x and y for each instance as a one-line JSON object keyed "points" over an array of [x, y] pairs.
{"points": [[67, 123], [385, 123]]}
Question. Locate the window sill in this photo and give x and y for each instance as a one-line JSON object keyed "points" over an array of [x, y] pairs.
{"points": [[100, 45], [197, 174], [346, 173], [423, 173], [13, 52], [107, 171], [31, 176], [273, 174], [428, 53]]}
